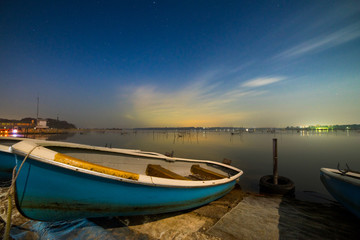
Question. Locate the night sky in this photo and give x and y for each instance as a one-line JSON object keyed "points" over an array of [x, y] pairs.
{"points": [[181, 63]]}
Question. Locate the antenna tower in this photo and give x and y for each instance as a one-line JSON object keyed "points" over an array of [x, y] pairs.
{"points": [[37, 108]]}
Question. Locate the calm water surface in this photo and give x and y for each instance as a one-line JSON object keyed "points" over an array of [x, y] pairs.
{"points": [[301, 154]]}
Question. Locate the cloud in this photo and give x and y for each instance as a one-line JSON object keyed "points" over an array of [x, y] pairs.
{"points": [[321, 43], [259, 82], [204, 102], [241, 67]]}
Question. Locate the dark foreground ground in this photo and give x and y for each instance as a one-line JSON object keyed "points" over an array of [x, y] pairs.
{"points": [[238, 215]]}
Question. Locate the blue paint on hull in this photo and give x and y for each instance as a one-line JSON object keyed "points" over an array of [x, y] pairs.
{"points": [[47, 192], [345, 192], [7, 164]]}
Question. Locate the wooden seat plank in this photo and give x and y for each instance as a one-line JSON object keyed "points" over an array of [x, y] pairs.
{"points": [[158, 171], [206, 173]]}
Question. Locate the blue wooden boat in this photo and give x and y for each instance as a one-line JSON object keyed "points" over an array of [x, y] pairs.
{"points": [[344, 186], [58, 182]]}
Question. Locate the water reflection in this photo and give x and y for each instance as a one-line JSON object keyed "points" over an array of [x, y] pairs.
{"points": [[50, 137], [301, 153]]}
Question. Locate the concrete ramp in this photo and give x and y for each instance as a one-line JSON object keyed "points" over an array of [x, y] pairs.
{"points": [[259, 217], [252, 218]]}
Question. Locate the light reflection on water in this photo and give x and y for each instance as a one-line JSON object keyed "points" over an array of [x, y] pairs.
{"points": [[301, 154]]}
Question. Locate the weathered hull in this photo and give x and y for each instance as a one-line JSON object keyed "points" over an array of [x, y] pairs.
{"points": [[7, 164], [7, 159], [47, 192], [345, 189]]}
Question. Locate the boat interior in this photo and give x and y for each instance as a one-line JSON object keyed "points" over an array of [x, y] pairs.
{"points": [[149, 165]]}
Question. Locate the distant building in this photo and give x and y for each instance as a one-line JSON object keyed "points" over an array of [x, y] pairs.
{"points": [[14, 127], [14, 124], [41, 124]]}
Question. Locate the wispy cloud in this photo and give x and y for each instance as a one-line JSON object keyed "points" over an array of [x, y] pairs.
{"points": [[324, 42], [203, 102], [262, 81], [241, 67]]}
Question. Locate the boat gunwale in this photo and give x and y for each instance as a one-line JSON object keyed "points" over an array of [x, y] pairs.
{"points": [[46, 143], [4, 148], [351, 178], [40, 149]]}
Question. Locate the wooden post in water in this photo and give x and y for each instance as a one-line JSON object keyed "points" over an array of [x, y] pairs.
{"points": [[275, 161]]}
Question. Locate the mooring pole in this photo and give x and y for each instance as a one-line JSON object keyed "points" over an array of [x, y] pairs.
{"points": [[275, 161]]}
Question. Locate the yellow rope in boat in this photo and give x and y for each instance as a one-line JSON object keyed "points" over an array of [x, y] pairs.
{"points": [[75, 162]]}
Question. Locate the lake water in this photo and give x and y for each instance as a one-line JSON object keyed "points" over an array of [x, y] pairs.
{"points": [[301, 154]]}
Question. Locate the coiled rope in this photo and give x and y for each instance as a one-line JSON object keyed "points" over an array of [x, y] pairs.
{"points": [[10, 195]]}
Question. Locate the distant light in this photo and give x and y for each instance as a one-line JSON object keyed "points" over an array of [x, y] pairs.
{"points": [[14, 130]]}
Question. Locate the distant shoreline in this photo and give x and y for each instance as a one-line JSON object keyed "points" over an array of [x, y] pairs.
{"points": [[32, 131]]}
